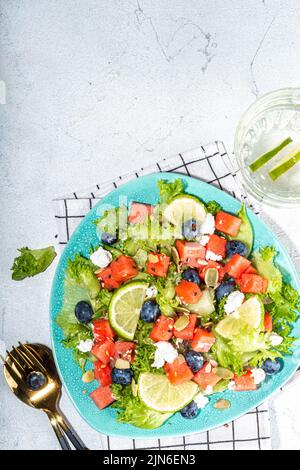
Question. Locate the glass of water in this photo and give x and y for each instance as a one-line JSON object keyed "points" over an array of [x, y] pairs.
{"points": [[266, 123]]}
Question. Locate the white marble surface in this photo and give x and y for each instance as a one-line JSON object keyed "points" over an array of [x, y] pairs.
{"points": [[95, 86]]}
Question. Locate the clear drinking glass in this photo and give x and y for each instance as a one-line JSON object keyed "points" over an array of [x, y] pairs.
{"points": [[266, 123]]}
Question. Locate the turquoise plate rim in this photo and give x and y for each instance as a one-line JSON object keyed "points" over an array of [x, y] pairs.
{"points": [[144, 189]]}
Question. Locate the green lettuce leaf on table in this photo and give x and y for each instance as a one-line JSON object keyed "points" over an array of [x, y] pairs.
{"points": [[32, 262]]}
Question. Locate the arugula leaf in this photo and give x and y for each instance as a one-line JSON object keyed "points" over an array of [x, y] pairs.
{"points": [[133, 411], [81, 271], [213, 207], [168, 190], [76, 333], [32, 262], [263, 261]]}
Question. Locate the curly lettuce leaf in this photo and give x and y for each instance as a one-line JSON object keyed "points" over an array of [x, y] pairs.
{"points": [[263, 261], [145, 350], [168, 190], [32, 262], [81, 272], [133, 411], [72, 295], [76, 333], [213, 207], [226, 356]]}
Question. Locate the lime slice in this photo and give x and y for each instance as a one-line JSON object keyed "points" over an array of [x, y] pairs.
{"points": [[183, 208], [285, 165], [250, 314], [266, 157], [159, 394], [125, 307]]}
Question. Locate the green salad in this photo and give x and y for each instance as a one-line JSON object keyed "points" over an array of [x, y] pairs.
{"points": [[173, 306]]}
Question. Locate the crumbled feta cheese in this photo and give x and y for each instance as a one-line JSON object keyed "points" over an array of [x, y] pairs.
{"points": [[231, 385], [275, 339], [233, 302], [211, 255], [101, 257], [209, 390], [204, 240], [208, 225], [165, 352], [151, 292], [201, 401], [259, 375], [85, 345]]}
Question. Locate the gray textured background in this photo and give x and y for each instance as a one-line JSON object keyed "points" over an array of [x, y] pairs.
{"points": [[94, 86]]}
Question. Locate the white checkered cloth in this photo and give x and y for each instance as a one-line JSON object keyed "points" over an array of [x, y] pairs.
{"points": [[210, 163]]}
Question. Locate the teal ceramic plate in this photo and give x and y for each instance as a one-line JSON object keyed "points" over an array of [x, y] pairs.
{"points": [[144, 189]]}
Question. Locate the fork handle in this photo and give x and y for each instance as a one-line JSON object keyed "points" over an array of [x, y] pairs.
{"points": [[58, 432], [67, 428]]}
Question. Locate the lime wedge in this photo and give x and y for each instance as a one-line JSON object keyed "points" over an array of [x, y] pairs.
{"points": [[266, 157], [125, 307], [250, 314], [284, 166], [159, 394], [184, 207]]}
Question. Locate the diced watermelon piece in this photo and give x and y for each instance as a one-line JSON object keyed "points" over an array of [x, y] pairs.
{"points": [[102, 373], [188, 292], [236, 266], [138, 212], [162, 329], [217, 245], [106, 277], [212, 264], [158, 264], [268, 322], [190, 253], [102, 397], [104, 351], [178, 372], [245, 382], [202, 340], [124, 350], [124, 268], [228, 223], [205, 377], [253, 284], [251, 270], [188, 332], [102, 329]]}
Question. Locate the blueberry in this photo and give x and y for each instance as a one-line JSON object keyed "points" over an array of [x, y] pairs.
{"points": [[35, 380], [121, 376], [108, 238], [234, 247], [194, 360], [150, 311], [191, 275], [83, 312], [224, 289], [190, 229], [271, 367], [190, 411]]}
